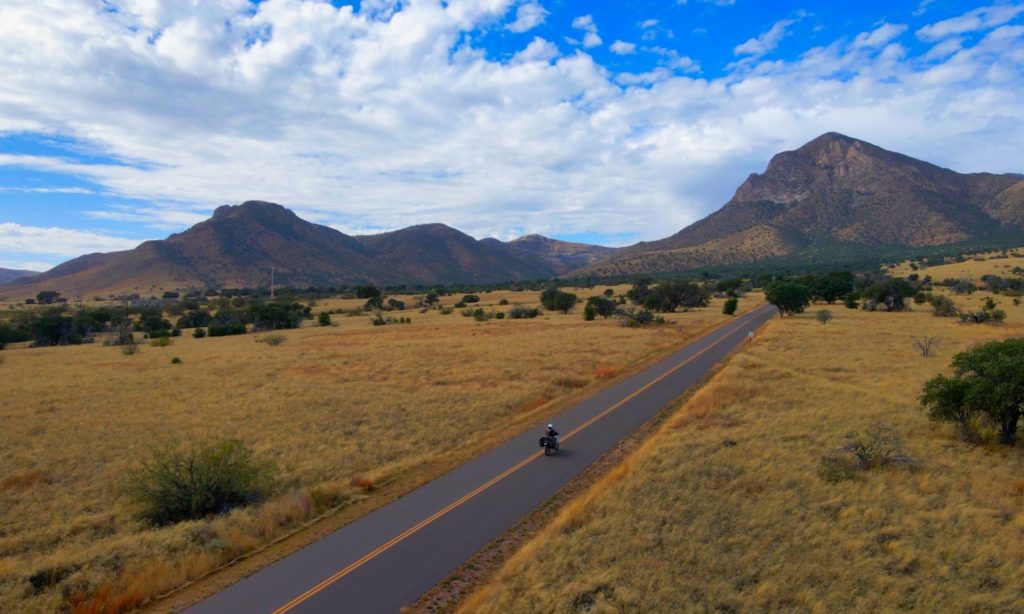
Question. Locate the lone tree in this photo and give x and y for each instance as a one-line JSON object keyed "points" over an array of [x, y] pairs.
{"points": [[731, 303], [788, 297], [554, 299], [988, 380]]}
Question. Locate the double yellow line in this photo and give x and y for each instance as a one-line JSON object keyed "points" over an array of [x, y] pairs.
{"points": [[504, 474]]}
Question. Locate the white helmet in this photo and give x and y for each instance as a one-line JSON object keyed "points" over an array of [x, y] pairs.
{"points": [[551, 426]]}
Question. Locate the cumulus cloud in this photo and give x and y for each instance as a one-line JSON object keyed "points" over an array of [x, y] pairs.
{"points": [[766, 42], [973, 21], [376, 119], [880, 36], [590, 37], [528, 16], [622, 48], [58, 241]]}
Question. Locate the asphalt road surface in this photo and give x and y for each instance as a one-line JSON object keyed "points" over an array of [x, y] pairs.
{"points": [[390, 557]]}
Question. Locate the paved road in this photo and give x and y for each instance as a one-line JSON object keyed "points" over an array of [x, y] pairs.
{"points": [[390, 557]]}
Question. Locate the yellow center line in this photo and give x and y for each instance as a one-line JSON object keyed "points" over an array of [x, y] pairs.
{"points": [[423, 523]]}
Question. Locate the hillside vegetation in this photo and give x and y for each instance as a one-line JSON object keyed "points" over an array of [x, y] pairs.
{"points": [[728, 508], [347, 414]]}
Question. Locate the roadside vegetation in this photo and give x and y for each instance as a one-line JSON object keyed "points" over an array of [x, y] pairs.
{"points": [[130, 469], [808, 476]]}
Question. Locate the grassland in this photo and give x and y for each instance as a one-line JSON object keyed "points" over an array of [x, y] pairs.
{"points": [[973, 267], [346, 413], [724, 510]]}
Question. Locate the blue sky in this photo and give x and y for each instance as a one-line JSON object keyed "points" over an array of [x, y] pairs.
{"points": [[124, 120]]}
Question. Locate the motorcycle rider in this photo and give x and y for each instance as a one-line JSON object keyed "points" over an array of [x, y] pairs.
{"points": [[552, 433]]}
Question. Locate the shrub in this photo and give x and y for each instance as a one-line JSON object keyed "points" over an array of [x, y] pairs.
{"points": [[602, 306], [470, 298], [503, 301], [324, 319], [130, 349], [519, 312], [199, 333], [175, 361], [589, 312], [223, 330], [272, 340], [177, 485], [608, 292], [943, 306], [445, 311], [160, 342], [824, 316], [926, 344], [500, 315], [730, 306], [639, 317], [876, 447], [852, 300], [480, 315]]}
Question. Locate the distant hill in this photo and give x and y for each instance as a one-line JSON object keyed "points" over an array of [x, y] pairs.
{"points": [[839, 192], [9, 275], [239, 244]]}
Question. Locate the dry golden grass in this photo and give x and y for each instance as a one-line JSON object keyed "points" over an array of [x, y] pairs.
{"points": [[976, 265], [339, 410], [723, 509]]}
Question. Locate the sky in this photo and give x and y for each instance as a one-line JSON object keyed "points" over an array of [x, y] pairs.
{"points": [[604, 122]]}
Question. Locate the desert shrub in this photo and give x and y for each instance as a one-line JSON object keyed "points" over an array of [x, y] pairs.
{"points": [[480, 315], [467, 313], [224, 330], [639, 317], [445, 311], [396, 304], [926, 344], [589, 312], [176, 485], [520, 312], [609, 292], [503, 301], [499, 315], [874, 448], [324, 319], [730, 306], [824, 316], [852, 301], [470, 298], [130, 349], [199, 333], [272, 340], [943, 306], [175, 361], [460, 305], [160, 342]]}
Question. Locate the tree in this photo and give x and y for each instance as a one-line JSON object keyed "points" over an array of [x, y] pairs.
{"points": [[788, 297], [554, 299], [602, 306], [589, 312], [988, 379], [324, 319], [832, 287], [729, 308], [891, 293], [824, 316], [367, 291], [47, 297]]}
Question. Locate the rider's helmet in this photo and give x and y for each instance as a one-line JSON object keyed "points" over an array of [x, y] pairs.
{"points": [[551, 426]]}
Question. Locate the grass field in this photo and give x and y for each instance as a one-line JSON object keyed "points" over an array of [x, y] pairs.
{"points": [[723, 510], [976, 265], [344, 412]]}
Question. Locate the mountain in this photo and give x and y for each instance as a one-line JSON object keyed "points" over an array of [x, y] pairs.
{"points": [[563, 256], [836, 192], [239, 244], [9, 275]]}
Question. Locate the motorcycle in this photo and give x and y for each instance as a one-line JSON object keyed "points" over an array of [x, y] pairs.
{"points": [[550, 445]]}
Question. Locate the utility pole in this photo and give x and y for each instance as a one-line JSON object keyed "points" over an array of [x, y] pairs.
{"points": [[271, 283]]}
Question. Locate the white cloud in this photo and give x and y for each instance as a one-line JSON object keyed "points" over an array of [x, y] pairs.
{"points": [[766, 42], [46, 190], [528, 16], [590, 37], [58, 241], [984, 18], [647, 23], [622, 48], [880, 36], [384, 118], [27, 265]]}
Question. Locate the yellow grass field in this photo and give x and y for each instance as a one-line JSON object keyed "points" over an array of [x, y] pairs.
{"points": [[330, 404], [723, 509], [976, 265]]}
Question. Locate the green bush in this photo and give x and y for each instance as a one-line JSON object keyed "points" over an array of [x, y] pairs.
{"points": [[480, 315], [503, 301], [223, 330], [519, 312], [199, 333], [589, 312], [824, 316], [554, 299], [324, 319], [471, 298], [730, 306], [273, 340], [175, 361], [160, 342], [500, 315], [177, 485]]}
